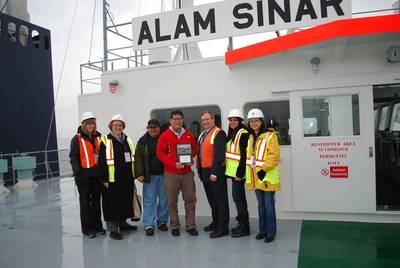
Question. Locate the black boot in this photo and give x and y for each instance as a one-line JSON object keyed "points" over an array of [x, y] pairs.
{"points": [[236, 229], [243, 230]]}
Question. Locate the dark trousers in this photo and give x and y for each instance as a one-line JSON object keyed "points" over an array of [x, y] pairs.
{"points": [[217, 196], [239, 197], [89, 201]]}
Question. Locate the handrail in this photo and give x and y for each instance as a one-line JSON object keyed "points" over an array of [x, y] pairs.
{"points": [[46, 167]]}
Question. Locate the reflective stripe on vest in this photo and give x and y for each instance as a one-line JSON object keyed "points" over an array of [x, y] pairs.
{"points": [[272, 175], [87, 152], [110, 157], [207, 148], [232, 154]]}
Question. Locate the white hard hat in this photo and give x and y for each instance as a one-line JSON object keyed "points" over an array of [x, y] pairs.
{"points": [[235, 113], [255, 113], [87, 115], [117, 117]]}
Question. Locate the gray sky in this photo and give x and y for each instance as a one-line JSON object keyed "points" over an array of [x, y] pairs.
{"points": [[56, 15]]}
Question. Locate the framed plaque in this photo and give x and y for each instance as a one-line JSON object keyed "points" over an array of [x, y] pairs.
{"points": [[184, 153]]}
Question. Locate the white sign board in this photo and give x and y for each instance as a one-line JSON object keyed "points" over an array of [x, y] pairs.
{"points": [[233, 18]]}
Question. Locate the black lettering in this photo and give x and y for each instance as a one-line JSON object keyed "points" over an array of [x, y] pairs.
{"points": [[305, 8], [334, 3], [209, 21], [260, 13], [273, 7], [159, 37], [245, 15], [145, 33], [182, 27]]}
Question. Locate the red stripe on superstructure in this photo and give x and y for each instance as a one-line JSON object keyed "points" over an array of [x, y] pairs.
{"points": [[324, 32]]}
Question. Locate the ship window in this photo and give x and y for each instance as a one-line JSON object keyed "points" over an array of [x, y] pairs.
{"points": [[276, 115], [331, 116], [35, 39], [383, 118], [11, 31], [395, 124], [191, 114], [46, 42], [23, 35], [376, 113]]}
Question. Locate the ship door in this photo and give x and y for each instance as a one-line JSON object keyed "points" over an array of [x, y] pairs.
{"points": [[333, 150]]}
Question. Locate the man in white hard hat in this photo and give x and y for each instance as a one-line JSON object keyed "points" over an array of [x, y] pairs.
{"points": [[84, 161], [235, 162]]}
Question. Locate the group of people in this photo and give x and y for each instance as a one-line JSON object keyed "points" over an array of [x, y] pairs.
{"points": [[105, 166]]}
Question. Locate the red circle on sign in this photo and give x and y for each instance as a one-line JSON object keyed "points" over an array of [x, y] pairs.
{"points": [[325, 171]]}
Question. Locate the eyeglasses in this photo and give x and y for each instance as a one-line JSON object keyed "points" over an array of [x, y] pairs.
{"points": [[117, 125]]}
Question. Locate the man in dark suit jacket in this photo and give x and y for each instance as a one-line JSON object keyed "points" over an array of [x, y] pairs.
{"points": [[211, 169]]}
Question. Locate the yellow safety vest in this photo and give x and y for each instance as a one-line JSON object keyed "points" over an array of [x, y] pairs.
{"points": [[110, 157], [256, 159], [232, 154]]}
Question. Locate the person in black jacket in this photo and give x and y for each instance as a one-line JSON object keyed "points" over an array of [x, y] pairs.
{"points": [[236, 169], [84, 160], [211, 170], [150, 171], [116, 168]]}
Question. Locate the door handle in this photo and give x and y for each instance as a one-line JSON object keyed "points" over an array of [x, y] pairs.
{"points": [[371, 152]]}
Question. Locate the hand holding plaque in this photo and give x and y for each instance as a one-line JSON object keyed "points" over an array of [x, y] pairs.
{"points": [[184, 153]]}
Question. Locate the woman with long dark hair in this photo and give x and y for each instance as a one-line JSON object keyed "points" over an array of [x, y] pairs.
{"points": [[235, 161], [262, 172]]}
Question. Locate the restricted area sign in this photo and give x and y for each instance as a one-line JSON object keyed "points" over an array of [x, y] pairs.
{"points": [[339, 172]]}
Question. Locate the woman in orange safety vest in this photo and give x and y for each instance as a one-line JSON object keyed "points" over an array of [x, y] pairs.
{"points": [[83, 155]]}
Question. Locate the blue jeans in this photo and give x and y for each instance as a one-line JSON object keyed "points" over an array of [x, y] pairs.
{"points": [[155, 212], [266, 212]]}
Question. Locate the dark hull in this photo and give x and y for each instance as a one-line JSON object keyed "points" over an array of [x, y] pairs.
{"points": [[26, 91]]}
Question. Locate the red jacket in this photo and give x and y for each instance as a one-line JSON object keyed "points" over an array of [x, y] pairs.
{"points": [[166, 150]]}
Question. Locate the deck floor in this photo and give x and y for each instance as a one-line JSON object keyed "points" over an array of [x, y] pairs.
{"points": [[41, 228]]}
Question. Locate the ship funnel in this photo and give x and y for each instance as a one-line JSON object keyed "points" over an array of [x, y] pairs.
{"points": [[16, 8]]}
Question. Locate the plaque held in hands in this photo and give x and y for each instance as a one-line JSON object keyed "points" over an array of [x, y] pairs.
{"points": [[184, 153]]}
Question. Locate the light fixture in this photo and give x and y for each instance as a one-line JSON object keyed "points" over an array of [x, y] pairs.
{"points": [[315, 61], [112, 86], [393, 54]]}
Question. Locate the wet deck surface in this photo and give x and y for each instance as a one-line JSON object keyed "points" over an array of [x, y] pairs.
{"points": [[41, 228]]}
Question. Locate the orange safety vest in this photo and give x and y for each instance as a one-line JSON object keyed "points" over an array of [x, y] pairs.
{"points": [[87, 152], [207, 148]]}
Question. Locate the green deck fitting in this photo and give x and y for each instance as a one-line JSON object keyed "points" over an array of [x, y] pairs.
{"points": [[24, 166], [3, 167], [349, 244]]}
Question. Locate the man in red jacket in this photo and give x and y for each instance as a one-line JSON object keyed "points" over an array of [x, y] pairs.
{"points": [[178, 174]]}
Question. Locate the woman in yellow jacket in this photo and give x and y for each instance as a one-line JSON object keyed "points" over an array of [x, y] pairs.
{"points": [[262, 172]]}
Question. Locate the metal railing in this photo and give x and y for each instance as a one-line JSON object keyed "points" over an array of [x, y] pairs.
{"points": [[49, 164], [90, 73]]}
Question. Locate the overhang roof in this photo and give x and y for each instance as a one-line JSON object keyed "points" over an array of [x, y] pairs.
{"points": [[321, 33]]}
